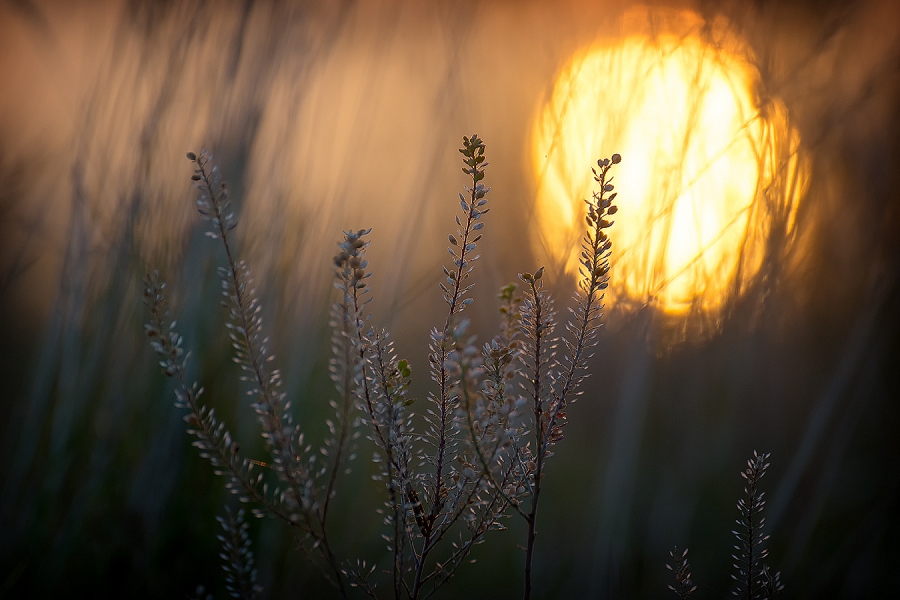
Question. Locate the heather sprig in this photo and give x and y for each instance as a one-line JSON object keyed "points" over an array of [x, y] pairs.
{"points": [[237, 557], [551, 381], [749, 550], [511, 450], [345, 365], [755, 580], [440, 423], [388, 381], [372, 356], [682, 570], [466, 239], [250, 344], [583, 326], [478, 456], [439, 504], [772, 586], [213, 439], [302, 500]]}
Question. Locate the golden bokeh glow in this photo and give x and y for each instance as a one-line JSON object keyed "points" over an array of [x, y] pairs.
{"points": [[710, 173]]}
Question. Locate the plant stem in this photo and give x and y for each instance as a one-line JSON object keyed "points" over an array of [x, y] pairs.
{"points": [[538, 325], [529, 556]]}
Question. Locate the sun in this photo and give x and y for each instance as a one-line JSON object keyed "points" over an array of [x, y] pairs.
{"points": [[710, 170]]}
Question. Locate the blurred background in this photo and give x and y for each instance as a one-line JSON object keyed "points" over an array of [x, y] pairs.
{"points": [[754, 300]]}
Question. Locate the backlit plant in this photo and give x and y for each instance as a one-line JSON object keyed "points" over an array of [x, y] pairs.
{"points": [[452, 472]]}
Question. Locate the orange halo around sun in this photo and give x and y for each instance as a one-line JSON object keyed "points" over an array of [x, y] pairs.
{"points": [[707, 175]]}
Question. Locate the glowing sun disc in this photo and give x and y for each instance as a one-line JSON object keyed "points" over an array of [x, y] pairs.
{"points": [[707, 173]]}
